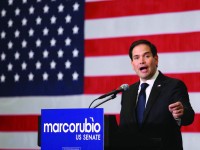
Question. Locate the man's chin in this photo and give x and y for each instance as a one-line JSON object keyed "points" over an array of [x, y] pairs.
{"points": [[144, 76]]}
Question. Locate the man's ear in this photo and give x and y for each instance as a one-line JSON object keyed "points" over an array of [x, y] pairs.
{"points": [[156, 59], [132, 64]]}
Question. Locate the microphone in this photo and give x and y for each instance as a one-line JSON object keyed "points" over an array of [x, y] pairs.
{"points": [[122, 88]]}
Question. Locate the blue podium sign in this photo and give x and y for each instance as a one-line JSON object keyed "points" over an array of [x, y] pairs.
{"points": [[72, 129]]}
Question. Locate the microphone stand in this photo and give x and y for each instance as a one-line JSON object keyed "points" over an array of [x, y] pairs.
{"points": [[109, 98]]}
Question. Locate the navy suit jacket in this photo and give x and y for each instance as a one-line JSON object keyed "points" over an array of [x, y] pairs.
{"points": [[159, 128]]}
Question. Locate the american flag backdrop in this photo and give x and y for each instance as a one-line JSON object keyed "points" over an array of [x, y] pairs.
{"points": [[66, 53]]}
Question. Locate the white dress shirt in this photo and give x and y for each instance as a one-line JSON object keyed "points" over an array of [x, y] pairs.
{"points": [[150, 82]]}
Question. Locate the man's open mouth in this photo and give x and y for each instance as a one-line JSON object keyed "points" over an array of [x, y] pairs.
{"points": [[143, 68]]}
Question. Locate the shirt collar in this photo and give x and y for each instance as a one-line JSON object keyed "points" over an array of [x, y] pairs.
{"points": [[151, 80]]}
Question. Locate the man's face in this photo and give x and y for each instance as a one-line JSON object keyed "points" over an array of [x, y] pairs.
{"points": [[143, 62]]}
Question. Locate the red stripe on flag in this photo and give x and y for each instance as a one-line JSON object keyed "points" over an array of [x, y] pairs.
{"points": [[194, 127], [165, 43], [18, 123], [116, 8], [190, 79], [30, 123], [102, 84]]}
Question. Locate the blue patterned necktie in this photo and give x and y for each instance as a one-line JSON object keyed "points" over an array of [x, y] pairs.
{"points": [[141, 103]]}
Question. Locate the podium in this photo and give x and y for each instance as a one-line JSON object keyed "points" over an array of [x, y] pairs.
{"points": [[115, 139], [110, 128]]}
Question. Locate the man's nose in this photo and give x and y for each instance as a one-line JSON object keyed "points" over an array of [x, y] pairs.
{"points": [[142, 60]]}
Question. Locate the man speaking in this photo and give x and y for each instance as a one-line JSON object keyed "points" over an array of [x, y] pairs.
{"points": [[154, 108]]}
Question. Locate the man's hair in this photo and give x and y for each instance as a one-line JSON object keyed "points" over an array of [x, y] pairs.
{"points": [[138, 42]]}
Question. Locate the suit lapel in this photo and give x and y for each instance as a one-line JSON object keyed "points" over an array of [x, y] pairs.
{"points": [[133, 98], [158, 84]]}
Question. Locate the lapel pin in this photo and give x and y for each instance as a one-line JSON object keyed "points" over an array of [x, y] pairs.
{"points": [[159, 85]]}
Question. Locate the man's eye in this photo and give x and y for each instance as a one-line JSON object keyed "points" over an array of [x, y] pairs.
{"points": [[147, 56]]}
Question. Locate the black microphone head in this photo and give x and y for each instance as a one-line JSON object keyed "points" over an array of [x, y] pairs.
{"points": [[124, 87]]}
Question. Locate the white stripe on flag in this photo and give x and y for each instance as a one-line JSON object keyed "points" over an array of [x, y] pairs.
{"points": [[143, 25], [121, 65], [191, 141], [18, 140], [33, 105]]}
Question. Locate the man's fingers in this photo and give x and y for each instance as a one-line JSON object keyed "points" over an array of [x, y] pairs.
{"points": [[176, 109]]}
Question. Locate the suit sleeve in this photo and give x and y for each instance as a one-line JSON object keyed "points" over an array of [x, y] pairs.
{"points": [[181, 94]]}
